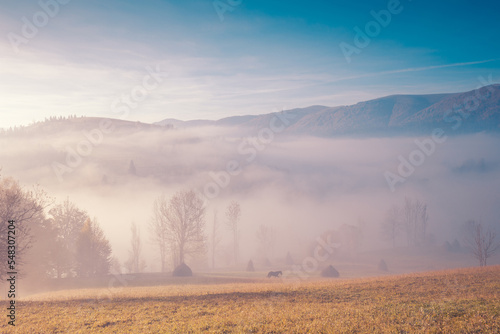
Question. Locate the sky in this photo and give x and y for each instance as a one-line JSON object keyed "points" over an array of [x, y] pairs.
{"points": [[202, 59]]}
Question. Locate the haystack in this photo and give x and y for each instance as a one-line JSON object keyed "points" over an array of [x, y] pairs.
{"points": [[182, 270], [250, 266], [330, 271], [382, 266]]}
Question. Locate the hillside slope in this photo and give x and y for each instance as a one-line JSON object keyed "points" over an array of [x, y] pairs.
{"points": [[473, 111]]}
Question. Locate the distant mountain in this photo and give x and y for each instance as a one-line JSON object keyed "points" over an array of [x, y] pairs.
{"points": [[473, 111], [85, 123], [75, 124], [456, 113]]}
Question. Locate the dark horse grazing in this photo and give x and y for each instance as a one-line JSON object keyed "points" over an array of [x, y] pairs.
{"points": [[274, 273]]}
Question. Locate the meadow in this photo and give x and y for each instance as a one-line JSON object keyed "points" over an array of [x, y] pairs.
{"points": [[451, 301]]}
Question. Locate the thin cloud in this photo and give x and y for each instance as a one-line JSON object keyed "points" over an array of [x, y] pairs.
{"points": [[425, 68], [414, 69], [299, 88]]}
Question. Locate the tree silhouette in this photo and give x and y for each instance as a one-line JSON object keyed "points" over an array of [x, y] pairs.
{"points": [[481, 241], [93, 251], [26, 208], [67, 222], [392, 225], [135, 262], [181, 224], [233, 214], [131, 168]]}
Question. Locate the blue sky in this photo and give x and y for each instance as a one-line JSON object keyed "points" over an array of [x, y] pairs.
{"points": [[262, 56]]}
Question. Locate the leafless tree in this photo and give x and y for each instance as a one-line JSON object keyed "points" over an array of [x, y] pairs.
{"points": [[233, 214], [135, 262], [182, 221], [26, 208], [131, 168], [266, 236], [391, 226], [159, 230], [481, 241], [215, 240], [423, 221], [415, 219]]}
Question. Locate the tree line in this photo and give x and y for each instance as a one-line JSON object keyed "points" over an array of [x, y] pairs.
{"points": [[21, 129], [58, 240], [410, 220], [52, 241], [62, 240]]}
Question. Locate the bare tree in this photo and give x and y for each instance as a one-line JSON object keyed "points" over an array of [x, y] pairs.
{"points": [[26, 208], [215, 240], [159, 230], [131, 168], [423, 221], [266, 236], [182, 221], [481, 241], [391, 226], [233, 214], [135, 262], [409, 218], [415, 219]]}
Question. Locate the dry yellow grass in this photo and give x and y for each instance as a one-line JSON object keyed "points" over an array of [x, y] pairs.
{"points": [[456, 301]]}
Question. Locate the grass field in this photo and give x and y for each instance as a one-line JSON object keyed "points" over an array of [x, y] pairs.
{"points": [[453, 301]]}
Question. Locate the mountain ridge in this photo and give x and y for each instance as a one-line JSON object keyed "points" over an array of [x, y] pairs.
{"points": [[475, 110], [402, 114]]}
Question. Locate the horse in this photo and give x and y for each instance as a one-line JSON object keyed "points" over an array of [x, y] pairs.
{"points": [[274, 274]]}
